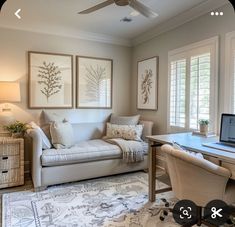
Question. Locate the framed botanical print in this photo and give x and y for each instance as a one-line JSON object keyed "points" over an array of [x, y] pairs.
{"points": [[147, 84], [94, 82], [50, 80]]}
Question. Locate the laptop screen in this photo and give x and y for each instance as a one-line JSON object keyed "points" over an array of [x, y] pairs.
{"points": [[227, 130]]}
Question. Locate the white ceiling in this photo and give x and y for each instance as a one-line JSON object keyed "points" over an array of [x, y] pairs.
{"points": [[60, 17]]}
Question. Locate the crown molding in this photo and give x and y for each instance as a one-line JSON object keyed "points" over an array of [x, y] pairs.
{"points": [[172, 23], [79, 34], [179, 20]]}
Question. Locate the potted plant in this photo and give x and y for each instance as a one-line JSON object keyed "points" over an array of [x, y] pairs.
{"points": [[203, 123], [18, 129]]}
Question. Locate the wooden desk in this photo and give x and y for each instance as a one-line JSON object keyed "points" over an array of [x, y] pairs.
{"points": [[190, 142]]}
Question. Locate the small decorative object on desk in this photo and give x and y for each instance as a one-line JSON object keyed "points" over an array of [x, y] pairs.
{"points": [[203, 124], [17, 129], [208, 134]]}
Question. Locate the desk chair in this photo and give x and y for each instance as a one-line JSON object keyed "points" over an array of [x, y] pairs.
{"points": [[197, 179]]}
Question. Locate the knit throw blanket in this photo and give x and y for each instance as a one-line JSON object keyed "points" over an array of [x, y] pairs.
{"points": [[133, 151]]}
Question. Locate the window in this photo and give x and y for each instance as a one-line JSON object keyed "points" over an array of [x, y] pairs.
{"points": [[193, 86], [178, 85], [230, 73], [199, 89], [233, 75]]}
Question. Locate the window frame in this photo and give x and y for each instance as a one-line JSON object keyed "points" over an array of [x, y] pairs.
{"points": [[229, 77], [186, 52]]}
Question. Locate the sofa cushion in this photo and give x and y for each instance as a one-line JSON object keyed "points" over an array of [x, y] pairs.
{"points": [[147, 130], [46, 118], [86, 151], [46, 144], [124, 120], [62, 135], [127, 132]]}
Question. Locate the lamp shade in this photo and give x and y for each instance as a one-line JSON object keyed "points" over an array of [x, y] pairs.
{"points": [[9, 92]]}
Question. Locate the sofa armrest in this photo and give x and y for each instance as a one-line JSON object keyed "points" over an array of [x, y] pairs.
{"points": [[36, 167], [148, 128]]}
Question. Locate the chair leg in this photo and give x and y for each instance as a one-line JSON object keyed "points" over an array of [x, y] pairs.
{"points": [[199, 216]]}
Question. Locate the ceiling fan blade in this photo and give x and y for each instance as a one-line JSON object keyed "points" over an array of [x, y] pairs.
{"points": [[141, 8], [99, 6]]}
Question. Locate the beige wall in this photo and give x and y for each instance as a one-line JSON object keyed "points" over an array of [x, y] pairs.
{"points": [[14, 45], [194, 31]]}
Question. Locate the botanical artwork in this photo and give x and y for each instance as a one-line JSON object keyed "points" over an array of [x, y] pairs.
{"points": [[94, 78], [147, 84], [94, 82], [50, 80]]}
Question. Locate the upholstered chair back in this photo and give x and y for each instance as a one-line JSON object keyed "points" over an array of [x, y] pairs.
{"points": [[195, 178]]}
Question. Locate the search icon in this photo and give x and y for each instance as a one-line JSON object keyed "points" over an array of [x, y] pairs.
{"points": [[185, 212]]}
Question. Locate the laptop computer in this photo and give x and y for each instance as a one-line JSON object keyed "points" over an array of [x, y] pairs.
{"points": [[227, 134]]}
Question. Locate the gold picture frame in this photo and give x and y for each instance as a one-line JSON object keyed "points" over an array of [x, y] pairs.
{"points": [[147, 83], [50, 80], [94, 82]]}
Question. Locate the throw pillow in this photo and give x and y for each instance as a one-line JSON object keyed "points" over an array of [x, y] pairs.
{"points": [[46, 118], [124, 120], [194, 154], [128, 132], [62, 135], [46, 144]]}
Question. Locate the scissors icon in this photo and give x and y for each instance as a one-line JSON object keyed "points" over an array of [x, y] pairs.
{"points": [[216, 213]]}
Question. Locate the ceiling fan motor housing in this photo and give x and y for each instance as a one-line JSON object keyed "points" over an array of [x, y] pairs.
{"points": [[122, 2]]}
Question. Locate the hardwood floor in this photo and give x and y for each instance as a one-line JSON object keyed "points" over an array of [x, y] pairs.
{"points": [[27, 186]]}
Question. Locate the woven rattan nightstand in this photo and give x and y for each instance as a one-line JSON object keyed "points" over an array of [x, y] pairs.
{"points": [[11, 162]]}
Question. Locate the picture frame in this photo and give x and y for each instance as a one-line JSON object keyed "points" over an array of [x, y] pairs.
{"points": [[94, 82], [147, 84], [50, 80]]}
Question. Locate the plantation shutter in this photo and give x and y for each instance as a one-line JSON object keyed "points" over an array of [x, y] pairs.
{"points": [[229, 99], [233, 78], [200, 76], [177, 93], [192, 77]]}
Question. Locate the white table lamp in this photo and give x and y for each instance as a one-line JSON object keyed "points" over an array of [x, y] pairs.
{"points": [[9, 92]]}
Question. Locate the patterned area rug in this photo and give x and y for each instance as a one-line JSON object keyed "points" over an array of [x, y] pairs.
{"points": [[112, 201]]}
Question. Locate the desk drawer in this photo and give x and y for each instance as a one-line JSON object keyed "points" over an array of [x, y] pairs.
{"points": [[231, 167], [9, 176], [9, 149], [9, 162]]}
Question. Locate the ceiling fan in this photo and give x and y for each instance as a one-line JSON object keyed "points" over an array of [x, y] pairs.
{"points": [[136, 5]]}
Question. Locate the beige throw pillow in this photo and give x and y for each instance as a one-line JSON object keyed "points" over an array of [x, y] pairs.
{"points": [[46, 118], [62, 135], [128, 132], [124, 120]]}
